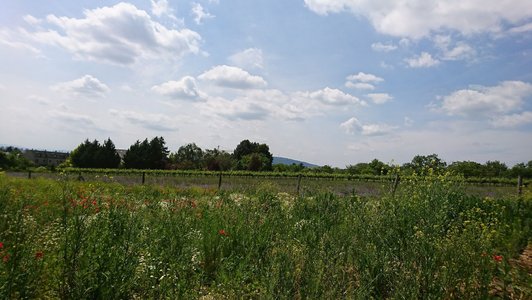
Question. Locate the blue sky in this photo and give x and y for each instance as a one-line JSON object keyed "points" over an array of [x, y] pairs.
{"points": [[326, 81]]}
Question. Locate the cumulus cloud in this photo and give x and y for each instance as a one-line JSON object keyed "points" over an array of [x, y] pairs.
{"points": [[453, 51], [237, 109], [233, 77], [379, 98], [160, 8], [332, 97], [505, 97], [420, 18], [424, 60], [380, 47], [87, 86], [199, 13], [362, 81], [156, 122], [250, 58], [514, 120], [364, 77], [184, 89], [353, 125], [120, 34]]}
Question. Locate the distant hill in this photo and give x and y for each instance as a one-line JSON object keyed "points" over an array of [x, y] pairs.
{"points": [[288, 161]]}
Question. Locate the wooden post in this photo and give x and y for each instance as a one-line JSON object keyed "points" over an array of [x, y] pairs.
{"points": [[219, 180], [143, 177], [298, 183], [519, 185], [395, 183], [29, 174], [80, 178]]}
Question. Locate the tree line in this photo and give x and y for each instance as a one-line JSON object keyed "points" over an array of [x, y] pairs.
{"points": [[252, 156], [153, 154]]}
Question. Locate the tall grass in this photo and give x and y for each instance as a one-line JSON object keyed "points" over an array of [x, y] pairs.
{"points": [[429, 240]]}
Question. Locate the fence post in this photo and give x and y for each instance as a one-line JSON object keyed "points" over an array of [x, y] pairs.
{"points": [[519, 185], [219, 180], [395, 183], [298, 183], [143, 177], [80, 178], [29, 174]]}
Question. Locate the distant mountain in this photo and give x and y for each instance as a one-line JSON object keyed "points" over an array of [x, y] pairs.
{"points": [[288, 161]]}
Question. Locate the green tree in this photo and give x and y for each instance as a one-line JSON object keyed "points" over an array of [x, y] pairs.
{"points": [[421, 163], [218, 160], [107, 157], [188, 157], [467, 168], [495, 169], [147, 155], [85, 155], [246, 148]]}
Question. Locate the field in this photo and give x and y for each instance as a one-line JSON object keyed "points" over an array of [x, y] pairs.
{"points": [[433, 238]]}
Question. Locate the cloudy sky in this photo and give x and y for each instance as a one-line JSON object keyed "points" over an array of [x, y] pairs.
{"points": [[326, 81]]}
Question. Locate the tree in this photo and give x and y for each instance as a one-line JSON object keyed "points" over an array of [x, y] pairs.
{"points": [[467, 168], [246, 148], [93, 155], [216, 160], [188, 157], [11, 158], [85, 155], [495, 169], [107, 157], [421, 163], [147, 155]]}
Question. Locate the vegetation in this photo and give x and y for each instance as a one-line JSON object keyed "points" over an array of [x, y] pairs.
{"points": [[61, 239], [11, 158], [93, 155]]}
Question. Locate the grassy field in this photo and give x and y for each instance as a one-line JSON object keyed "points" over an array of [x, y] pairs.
{"points": [[432, 239]]}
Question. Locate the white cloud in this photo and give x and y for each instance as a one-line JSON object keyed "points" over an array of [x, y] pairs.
{"points": [[380, 98], [120, 34], [200, 14], [159, 7], [87, 86], [184, 89], [156, 122], [240, 109], [31, 20], [73, 120], [361, 81], [420, 18], [380, 47], [408, 122], [505, 97], [250, 58], [353, 125], [424, 60], [359, 85], [332, 97], [233, 77], [364, 77], [514, 120], [458, 51], [521, 29]]}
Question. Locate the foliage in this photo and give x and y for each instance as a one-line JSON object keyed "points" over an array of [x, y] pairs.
{"points": [[11, 158], [93, 155], [218, 160], [94, 240], [147, 155], [422, 163], [246, 148], [187, 157]]}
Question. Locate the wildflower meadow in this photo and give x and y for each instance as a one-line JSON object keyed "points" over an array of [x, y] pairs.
{"points": [[429, 239]]}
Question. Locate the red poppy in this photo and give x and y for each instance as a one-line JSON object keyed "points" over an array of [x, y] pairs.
{"points": [[497, 258], [1, 245], [39, 255], [222, 232], [5, 258]]}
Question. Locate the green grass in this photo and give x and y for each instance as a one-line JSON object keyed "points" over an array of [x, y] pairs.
{"points": [[65, 239]]}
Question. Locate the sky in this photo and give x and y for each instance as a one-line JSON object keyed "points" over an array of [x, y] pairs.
{"points": [[333, 82]]}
